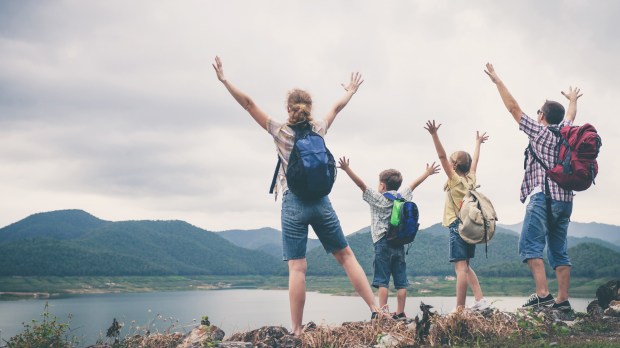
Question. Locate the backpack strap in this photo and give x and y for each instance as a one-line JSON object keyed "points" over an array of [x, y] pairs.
{"points": [[530, 148], [301, 129], [275, 176], [391, 197]]}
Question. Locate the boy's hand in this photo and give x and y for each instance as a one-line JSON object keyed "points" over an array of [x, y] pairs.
{"points": [[343, 163], [432, 169], [490, 71], [573, 94], [481, 138], [354, 84], [219, 70], [431, 127]]}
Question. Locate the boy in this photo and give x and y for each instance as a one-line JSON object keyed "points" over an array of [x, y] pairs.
{"points": [[389, 260]]}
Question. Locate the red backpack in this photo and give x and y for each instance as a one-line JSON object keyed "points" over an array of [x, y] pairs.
{"points": [[576, 166]]}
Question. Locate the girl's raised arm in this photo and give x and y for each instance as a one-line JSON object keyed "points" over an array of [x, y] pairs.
{"points": [[479, 140], [445, 162]]}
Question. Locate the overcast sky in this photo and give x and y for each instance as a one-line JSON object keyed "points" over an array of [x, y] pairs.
{"points": [[113, 106]]}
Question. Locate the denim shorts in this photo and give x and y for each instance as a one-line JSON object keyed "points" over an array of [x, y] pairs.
{"points": [[536, 232], [459, 249], [297, 214], [389, 260]]}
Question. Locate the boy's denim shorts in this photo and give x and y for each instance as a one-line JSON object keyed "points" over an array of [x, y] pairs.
{"points": [[297, 214], [389, 260], [535, 231], [459, 249]]}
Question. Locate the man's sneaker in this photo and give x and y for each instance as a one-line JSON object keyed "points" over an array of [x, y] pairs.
{"points": [[562, 306], [480, 305], [535, 301], [399, 315]]}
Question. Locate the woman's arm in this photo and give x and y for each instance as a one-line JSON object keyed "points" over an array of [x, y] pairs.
{"points": [[479, 140], [343, 163], [445, 162], [354, 84], [243, 99]]}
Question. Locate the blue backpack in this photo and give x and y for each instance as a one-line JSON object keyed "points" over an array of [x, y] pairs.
{"points": [[311, 170], [404, 224]]}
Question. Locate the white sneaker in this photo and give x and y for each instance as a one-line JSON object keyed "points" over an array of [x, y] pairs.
{"points": [[480, 305]]}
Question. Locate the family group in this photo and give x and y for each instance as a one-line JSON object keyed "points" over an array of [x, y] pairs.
{"points": [[545, 223]]}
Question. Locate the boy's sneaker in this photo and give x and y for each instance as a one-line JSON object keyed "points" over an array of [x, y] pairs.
{"points": [[536, 302], [562, 306], [399, 315], [480, 305]]}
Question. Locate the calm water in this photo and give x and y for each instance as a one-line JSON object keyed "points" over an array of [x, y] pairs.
{"points": [[231, 310]]}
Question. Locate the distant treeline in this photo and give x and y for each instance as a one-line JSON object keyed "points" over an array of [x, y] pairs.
{"points": [[75, 243]]}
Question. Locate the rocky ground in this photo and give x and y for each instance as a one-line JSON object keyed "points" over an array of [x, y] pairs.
{"points": [[535, 328], [544, 327]]}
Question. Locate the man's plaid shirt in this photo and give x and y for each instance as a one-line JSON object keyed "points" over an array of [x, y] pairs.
{"points": [[545, 146]]}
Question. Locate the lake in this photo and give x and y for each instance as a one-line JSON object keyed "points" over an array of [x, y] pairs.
{"points": [[231, 310]]}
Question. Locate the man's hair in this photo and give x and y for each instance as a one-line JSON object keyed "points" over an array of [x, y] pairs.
{"points": [[391, 178], [554, 112], [462, 161]]}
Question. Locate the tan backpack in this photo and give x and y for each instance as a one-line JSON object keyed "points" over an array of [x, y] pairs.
{"points": [[478, 218]]}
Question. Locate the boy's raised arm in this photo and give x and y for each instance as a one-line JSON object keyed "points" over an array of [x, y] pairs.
{"points": [[479, 140], [430, 170], [432, 128], [509, 101], [343, 163], [243, 99], [572, 95], [354, 84]]}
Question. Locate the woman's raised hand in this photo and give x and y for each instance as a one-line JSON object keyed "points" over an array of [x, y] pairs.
{"points": [[354, 84]]}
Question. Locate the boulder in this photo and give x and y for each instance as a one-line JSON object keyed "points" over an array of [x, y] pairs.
{"points": [[614, 309], [607, 293], [202, 334], [268, 337]]}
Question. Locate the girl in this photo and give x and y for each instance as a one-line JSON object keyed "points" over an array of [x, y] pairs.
{"points": [[461, 171]]}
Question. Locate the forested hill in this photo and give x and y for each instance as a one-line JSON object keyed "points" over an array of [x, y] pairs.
{"points": [[428, 255], [73, 242]]}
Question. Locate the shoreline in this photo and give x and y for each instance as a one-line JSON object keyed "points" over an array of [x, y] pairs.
{"points": [[20, 287]]}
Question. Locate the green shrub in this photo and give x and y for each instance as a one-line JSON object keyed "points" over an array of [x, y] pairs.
{"points": [[47, 333]]}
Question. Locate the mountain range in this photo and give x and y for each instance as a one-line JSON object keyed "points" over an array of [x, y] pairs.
{"points": [[74, 242]]}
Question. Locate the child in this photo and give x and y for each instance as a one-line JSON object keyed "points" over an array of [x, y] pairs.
{"points": [[389, 260], [461, 171]]}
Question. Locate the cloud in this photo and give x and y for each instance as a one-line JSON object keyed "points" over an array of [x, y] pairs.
{"points": [[113, 107]]}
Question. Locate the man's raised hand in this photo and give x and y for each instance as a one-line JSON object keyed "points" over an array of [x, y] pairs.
{"points": [[490, 71], [572, 94]]}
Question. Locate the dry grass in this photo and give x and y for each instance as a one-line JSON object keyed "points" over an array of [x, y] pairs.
{"points": [[158, 340], [468, 327], [358, 334]]}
